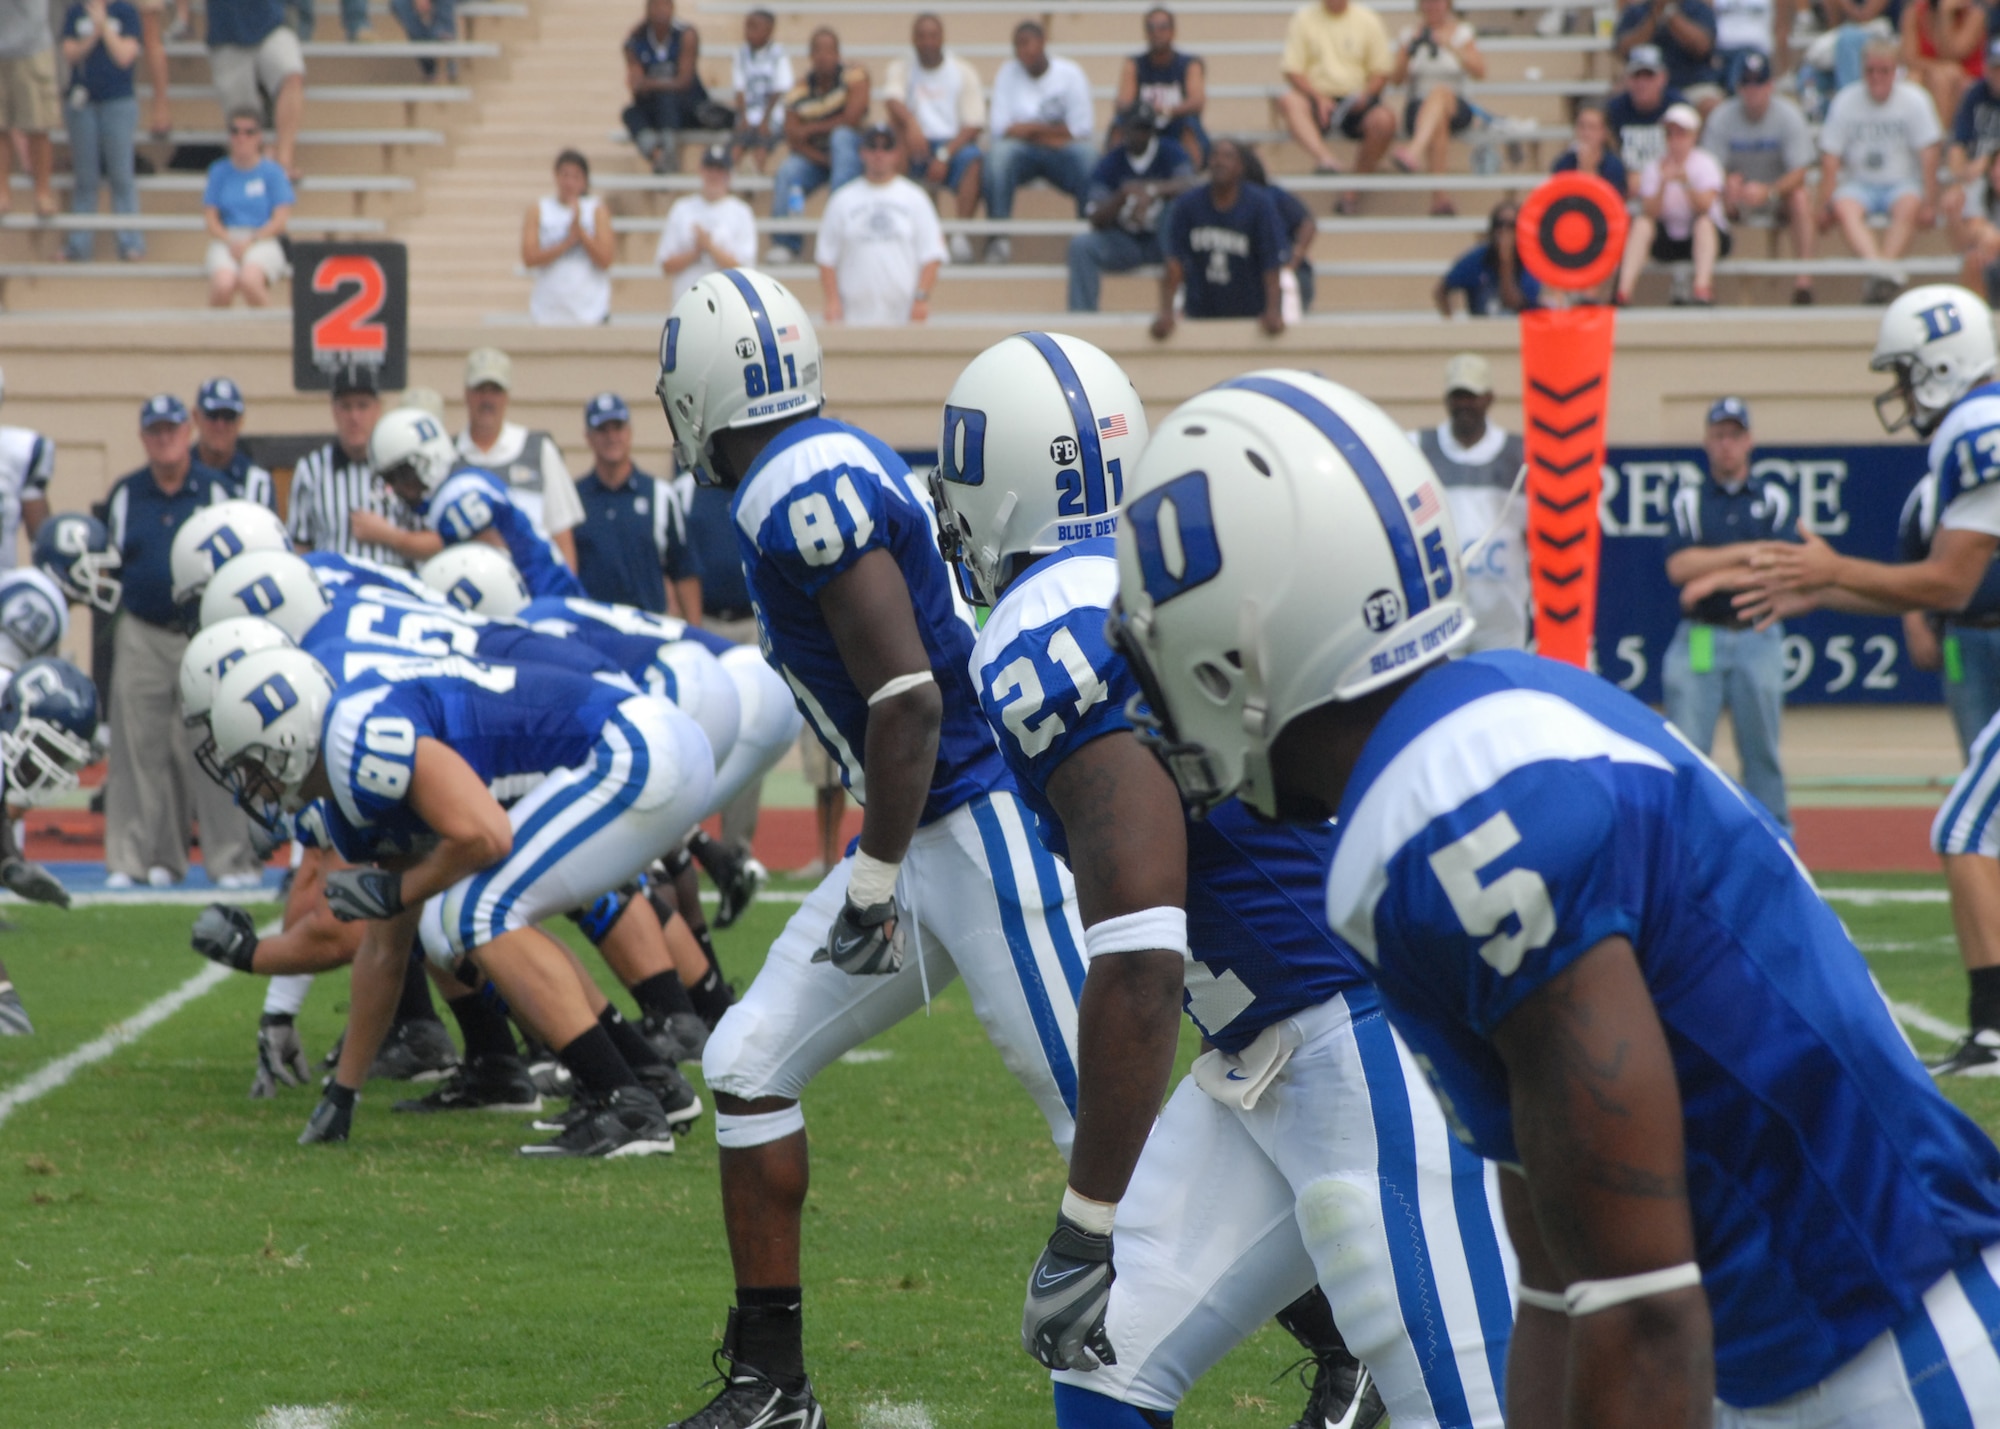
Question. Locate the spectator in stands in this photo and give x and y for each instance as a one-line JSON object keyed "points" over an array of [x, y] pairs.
{"points": [[252, 53], [1975, 128], [1174, 83], [707, 231], [247, 204], [218, 424], [1435, 57], [1766, 150], [153, 44], [879, 242], [28, 105], [1943, 47], [1336, 64], [1129, 193], [822, 129], [1296, 285], [566, 239], [1748, 27], [1976, 232], [937, 106], [1635, 115], [761, 74], [1224, 246], [1680, 214], [527, 459], [1878, 159], [1490, 274], [100, 45], [334, 489], [1591, 151], [661, 55], [154, 792], [433, 21], [633, 538], [1853, 23], [1684, 33], [1042, 120], [1477, 462]]}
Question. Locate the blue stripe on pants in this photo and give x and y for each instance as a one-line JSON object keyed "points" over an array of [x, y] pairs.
{"points": [[1984, 1294], [1050, 883], [1490, 1287], [1001, 866], [1932, 1382], [1955, 809]]}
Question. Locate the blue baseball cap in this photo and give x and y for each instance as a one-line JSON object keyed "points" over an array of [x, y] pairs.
{"points": [[218, 395], [163, 410], [605, 407], [1730, 409]]}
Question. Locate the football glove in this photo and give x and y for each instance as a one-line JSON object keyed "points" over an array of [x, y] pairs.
{"points": [[33, 882], [225, 934], [281, 1057], [1062, 1326], [333, 1118], [357, 893], [865, 942]]}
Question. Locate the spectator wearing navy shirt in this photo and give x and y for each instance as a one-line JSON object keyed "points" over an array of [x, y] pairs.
{"points": [[1975, 128], [100, 44], [1173, 82], [247, 204], [633, 537], [660, 58], [1591, 150], [1491, 275], [1684, 31], [1638, 116], [154, 791], [1295, 283], [218, 424], [1225, 244], [1128, 197], [253, 53]]}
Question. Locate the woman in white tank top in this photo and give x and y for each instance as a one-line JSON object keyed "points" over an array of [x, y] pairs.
{"points": [[566, 239]]}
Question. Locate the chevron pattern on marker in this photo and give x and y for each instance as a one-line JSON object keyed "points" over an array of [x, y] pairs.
{"points": [[1566, 389]]}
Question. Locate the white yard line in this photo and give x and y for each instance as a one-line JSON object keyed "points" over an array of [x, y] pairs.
{"points": [[1869, 897], [140, 897], [886, 1414], [1910, 1015], [301, 1416]]}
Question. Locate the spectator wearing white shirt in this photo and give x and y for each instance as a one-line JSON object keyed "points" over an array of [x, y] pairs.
{"points": [[530, 462], [761, 74], [937, 106], [708, 231], [1042, 120], [1680, 210], [1744, 28], [1878, 159], [879, 242]]}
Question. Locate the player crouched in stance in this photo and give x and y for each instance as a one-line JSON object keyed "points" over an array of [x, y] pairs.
{"points": [[404, 757], [1271, 1166], [1736, 1196]]}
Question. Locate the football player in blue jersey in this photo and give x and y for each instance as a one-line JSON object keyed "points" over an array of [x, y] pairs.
{"points": [[210, 539], [412, 454], [1736, 1196], [1279, 1161], [857, 612]]}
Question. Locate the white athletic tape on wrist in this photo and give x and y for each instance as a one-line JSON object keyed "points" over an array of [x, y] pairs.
{"points": [[901, 685], [740, 1132], [1094, 1216], [1551, 1300], [1141, 932], [870, 880], [1587, 1297], [287, 994]]}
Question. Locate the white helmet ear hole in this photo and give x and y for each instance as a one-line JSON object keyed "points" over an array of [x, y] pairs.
{"points": [[1263, 467], [1216, 682], [1194, 431]]}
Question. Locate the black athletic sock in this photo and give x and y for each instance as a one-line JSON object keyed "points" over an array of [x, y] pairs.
{"points": [[594, 1061], [483, 1026], [662, 995], [636, 1050], [415, 1004], [768, 1327], [1985, 1010], [1310, 1320], [706, 943], [710, 998]]}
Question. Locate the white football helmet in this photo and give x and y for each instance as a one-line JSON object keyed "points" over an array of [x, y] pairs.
{"points": [[738, 351], [1282, 544], [476, 577], [410, 440], [1040, 431], [217, 534], [266, 725], [1938, 340], [275, 585], [210, 654]]}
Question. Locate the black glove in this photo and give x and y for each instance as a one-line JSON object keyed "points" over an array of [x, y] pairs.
{"points": [[333, 1118], [33, 882], [865, 942], [281, 1057], [1062, 1326], [225, 934], [357, 893]]}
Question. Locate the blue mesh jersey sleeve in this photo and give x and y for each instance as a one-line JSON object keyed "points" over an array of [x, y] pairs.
{"points": [[821, 526], [369, 742], [464, 505], [1965, 452], [473, 501]]}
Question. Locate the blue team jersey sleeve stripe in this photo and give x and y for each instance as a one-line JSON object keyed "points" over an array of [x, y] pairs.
{"points": [[1049, 883], [1079, 407], [1375, 481], [1933, 1385], [767, 339], [1034, 989]]}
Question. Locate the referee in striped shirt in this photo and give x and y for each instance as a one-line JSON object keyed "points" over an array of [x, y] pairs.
{"points": [[331, 484]]}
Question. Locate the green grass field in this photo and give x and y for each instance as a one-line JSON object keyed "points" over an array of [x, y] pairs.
{"points": [[169, 1256]]}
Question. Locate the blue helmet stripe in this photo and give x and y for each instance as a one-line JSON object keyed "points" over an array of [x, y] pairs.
{"points": [[774, 374], [1079, 407], [1375, 481]]}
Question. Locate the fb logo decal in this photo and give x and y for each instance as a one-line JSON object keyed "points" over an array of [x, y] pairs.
{"points": [[1063, 451], [222, 546], [261, 596], [1175, 532], [963, 452], [1382, 609], [1941, 321], [273, 698]]}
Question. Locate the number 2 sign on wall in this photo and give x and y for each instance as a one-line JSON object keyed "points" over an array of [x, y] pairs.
{"points": [[350, 308]]}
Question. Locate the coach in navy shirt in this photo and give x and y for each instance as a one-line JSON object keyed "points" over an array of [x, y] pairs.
{"points": [[1225, 242], [154, 791], [632, 539], [1128, 196]]}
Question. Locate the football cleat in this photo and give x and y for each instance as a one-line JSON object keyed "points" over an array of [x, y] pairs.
{"points": [[551, 1078], [13, 1016], [751, 1400], [485, 1083], [629, 1122], [416, 1051], [1977, 1056], [1341, 1394], [678, 1036], [676, 1096]]}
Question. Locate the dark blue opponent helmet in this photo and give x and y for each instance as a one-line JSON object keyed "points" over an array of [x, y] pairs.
{"points": [[48, 728], [76, 552]]}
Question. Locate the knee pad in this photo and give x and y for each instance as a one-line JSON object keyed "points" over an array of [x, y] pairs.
{"points": [[602, 916], [704, 692], [768, 717], [1084, 1409]]}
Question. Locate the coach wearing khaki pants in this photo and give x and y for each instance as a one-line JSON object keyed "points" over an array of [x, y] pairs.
{"points": [[155, 790]]}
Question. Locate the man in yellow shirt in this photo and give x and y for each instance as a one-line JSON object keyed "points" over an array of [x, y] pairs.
{"points": [[1337, 60]]}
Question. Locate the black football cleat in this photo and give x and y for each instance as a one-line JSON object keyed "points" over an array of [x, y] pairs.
{"points": [[629, 1122], [486, 1083], [751, 1400]]}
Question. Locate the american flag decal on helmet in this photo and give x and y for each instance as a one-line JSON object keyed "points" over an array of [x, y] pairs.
{"points": [[1113, 426], [1424, 505]]}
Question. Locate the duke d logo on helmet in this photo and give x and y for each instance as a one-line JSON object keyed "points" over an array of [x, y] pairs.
{"points": [[1941, 321]]}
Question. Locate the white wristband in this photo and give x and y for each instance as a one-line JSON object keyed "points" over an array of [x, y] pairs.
{"points": [[1587, 1297], [870, 881], [1141, 932], [1551, 1300], [901, 685], [1094, 1216]]}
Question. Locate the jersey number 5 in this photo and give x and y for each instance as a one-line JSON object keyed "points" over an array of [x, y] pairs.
{"points": [[1483, 907]]}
